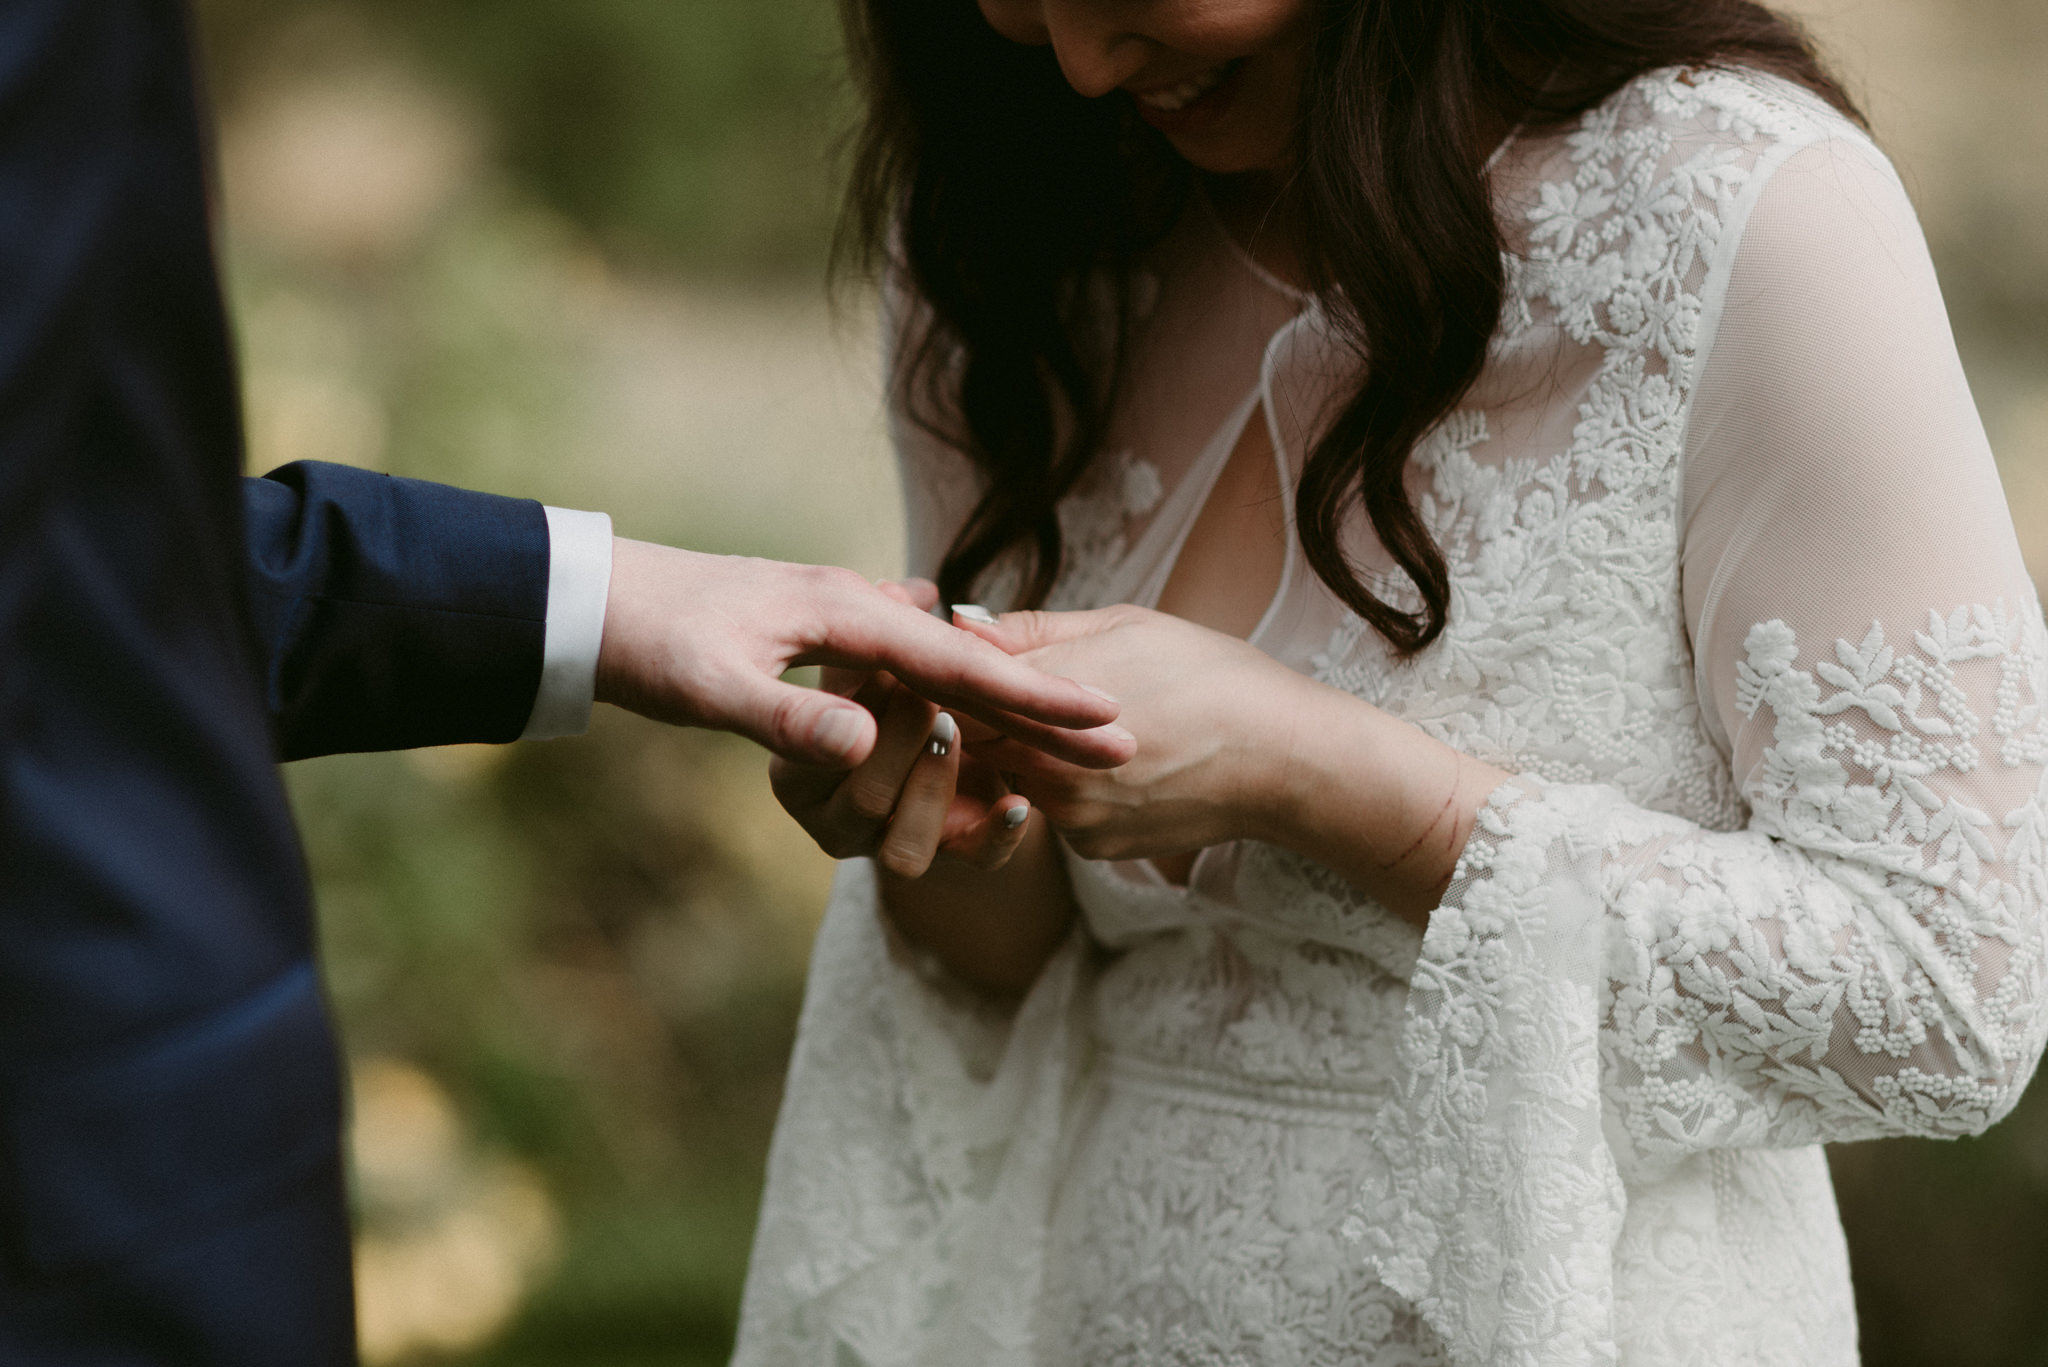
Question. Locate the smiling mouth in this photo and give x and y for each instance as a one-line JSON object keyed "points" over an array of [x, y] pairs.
{"points": [[1174, 98]]}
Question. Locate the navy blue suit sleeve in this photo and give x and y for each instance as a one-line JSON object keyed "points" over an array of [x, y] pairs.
{"points": [[393, 613]]}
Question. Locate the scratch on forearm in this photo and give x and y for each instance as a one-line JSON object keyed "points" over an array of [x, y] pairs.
{"points": [[1426, 832], [1456, 830]]}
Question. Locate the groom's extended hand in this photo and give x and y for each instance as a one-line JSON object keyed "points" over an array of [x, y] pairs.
{"points": [[703, 640]]}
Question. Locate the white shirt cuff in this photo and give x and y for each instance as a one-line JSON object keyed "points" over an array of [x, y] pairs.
{"points": [[579, 577]]}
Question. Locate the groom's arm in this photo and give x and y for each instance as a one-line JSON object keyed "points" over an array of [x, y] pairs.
{"points": [[394, 613]]}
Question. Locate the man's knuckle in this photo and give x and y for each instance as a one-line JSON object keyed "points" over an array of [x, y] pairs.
{"points": [[788, 717], [836, 580]]}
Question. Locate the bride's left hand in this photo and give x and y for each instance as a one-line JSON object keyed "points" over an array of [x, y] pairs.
{"points": [[1215, 719]]}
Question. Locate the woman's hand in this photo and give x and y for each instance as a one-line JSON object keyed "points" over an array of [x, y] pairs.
{"points": [[914, 797], [916, 794], [1213, 716], [1234, 745]]}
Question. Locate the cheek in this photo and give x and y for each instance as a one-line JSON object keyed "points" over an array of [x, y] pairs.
{"points": [[1230, 28]]}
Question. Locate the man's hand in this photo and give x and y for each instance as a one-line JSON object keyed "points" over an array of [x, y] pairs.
{"points": [[703, 640]]}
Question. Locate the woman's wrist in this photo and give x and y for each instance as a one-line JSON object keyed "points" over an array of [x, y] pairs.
{"points": [[1369, 796], [1283, 760]]}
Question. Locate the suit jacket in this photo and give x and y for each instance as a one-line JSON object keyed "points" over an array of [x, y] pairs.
{"points": [[169, 1094]]}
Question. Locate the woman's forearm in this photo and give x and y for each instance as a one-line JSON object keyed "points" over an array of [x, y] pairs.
{"points": [[993, 931], [1372, 798]]}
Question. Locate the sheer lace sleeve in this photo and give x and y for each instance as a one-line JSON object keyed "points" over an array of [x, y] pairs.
{"points": [[1607, 989]]}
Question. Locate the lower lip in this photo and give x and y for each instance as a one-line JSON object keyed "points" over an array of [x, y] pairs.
{"points": [[1202, 113]]}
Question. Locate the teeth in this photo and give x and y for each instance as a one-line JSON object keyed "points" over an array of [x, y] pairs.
{"points": [[1175, 98]]}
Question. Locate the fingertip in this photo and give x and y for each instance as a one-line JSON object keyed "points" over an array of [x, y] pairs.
{"points": [[945, 735], [1104, 747], [1001, 833], [905, 863], [978, 621], [843, 735]]}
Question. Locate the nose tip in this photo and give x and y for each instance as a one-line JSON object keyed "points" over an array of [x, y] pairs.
{"points": [[1095, 64], [1094, 56], [1098, 70]]}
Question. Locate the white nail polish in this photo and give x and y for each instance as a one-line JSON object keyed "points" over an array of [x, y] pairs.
{"points": [[975, 612], [1013, 817], [944, 732]]}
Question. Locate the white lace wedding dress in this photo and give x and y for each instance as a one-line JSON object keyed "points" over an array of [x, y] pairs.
{"points": [[1736, 594]]}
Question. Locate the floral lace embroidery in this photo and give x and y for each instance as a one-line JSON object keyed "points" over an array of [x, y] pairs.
{"points": [[1723, 1026], [1191, 1282], [1596, 965], [1604, 1021], [1117, 493]]}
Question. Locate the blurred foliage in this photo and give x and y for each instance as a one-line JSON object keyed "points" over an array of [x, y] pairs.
{"points": [[596, 947], [453, 226], [448, 227], [1948, 1243], [692, 132]]}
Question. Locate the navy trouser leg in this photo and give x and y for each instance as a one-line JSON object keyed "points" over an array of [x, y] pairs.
{"points": [[267, 1286]]}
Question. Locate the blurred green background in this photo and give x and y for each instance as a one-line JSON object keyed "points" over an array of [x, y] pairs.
{"points": [[574, 250]]}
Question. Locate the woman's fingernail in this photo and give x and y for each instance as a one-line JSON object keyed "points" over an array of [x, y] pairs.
{"points": [[1102, 693], [1014, 817], [944, 732], [975, 612], [1118, 733]]}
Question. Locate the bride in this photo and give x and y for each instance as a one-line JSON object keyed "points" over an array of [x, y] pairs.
{"points": [[1511, 463]]}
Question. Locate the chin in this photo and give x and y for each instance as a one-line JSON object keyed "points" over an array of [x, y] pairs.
{"points": [[1227, 156]]}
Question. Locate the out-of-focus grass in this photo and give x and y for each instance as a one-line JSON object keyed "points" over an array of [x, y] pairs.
{"points": [[572, 250]]}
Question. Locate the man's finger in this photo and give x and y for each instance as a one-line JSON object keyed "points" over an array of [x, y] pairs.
{"points": [[949, 666], [803, 725], [1017, 632], [921, 594]]}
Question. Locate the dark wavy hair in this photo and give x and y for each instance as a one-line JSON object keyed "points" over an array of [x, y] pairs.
{"points": [[1017, 211]]}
